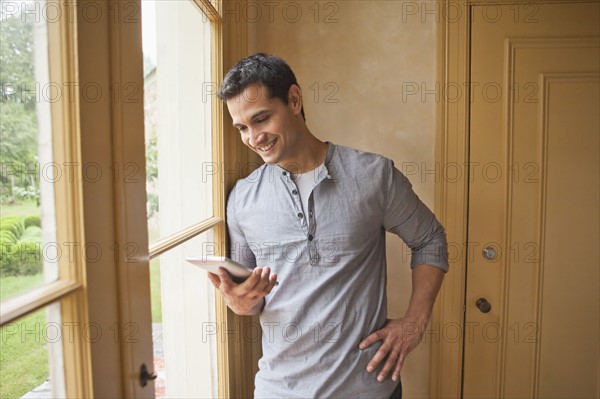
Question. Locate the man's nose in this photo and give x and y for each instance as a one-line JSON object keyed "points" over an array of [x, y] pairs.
{"points": [[255, 137]]}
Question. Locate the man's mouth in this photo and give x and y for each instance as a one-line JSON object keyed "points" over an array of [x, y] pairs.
{"points": [[267, 147]]}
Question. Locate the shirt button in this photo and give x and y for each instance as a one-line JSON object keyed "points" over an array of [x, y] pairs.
{"points": [[300, 215], [310, 237], [284, 173], [294, 191]]}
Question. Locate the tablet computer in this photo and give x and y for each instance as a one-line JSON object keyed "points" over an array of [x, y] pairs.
{"points": [[212, 263]]}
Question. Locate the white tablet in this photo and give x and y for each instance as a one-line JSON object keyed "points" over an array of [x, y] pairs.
{"points": [[212, 264]]}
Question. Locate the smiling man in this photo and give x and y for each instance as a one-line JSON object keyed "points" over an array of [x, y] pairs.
{"points": [[314, 218]]}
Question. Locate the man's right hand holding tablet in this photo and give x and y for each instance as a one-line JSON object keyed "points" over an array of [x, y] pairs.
{"points": [[246, 298]]}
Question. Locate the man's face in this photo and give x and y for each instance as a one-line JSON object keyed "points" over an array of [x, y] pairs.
{"points": [[267, 126]]}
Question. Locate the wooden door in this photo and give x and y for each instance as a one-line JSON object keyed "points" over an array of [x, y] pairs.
{"points": [[533, 219]]}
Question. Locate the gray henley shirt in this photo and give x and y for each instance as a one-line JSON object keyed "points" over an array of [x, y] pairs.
{"points": [[331, 267]]}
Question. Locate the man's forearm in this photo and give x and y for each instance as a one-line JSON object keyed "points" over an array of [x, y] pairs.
{"points": [[426, 283]]}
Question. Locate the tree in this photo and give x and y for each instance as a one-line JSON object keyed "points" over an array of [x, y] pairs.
{"points": [[18, 124]]}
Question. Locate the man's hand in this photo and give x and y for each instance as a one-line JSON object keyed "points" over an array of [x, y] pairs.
{"points": [[400, 337], [245, 299]]}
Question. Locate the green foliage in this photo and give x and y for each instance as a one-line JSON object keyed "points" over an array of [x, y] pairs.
{"points": [[7, 236], [23, 363], [32, 234], [33, 220], [20, 247], [29, 258], [9, 261], [155, 290], [152, 204], [16, 59], [14, 224], [151, 175], [18, 130], [152, 159], [18, 123]]}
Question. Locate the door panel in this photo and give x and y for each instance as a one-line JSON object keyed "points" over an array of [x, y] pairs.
{"points": [[533, 198]]}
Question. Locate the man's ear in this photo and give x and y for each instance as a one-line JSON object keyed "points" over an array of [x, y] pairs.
{"points": [[295, 99]]}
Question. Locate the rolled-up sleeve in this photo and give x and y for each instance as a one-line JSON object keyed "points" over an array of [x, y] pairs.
{"points": [[409, 218]]}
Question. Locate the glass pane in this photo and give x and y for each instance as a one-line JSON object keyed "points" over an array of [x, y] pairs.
{"points": [[31, 356], [29, 250], [177, 102], [184, 327]]}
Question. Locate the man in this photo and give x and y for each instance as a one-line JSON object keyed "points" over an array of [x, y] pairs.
{"points": [[313, 219]]}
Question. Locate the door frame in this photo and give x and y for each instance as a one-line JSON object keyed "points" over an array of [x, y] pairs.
{"points": [[451, 197], [454, 19]]}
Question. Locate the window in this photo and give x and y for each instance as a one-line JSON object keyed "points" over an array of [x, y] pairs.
{"points": [[99, 298], [42, 256], [182, 139]]}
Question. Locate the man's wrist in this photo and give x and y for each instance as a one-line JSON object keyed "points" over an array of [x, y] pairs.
{"points": [[420, 318], [256, 308]]}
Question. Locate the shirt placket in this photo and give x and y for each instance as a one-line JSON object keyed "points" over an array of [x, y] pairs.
{"points": [[313, 250], [307, 222], [297, 203]]}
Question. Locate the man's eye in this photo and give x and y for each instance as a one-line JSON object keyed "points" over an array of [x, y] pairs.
{"points": [[261, 120], [242, 128]]}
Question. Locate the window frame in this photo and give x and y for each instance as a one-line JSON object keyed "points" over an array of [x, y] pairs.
{"points": [[65, 147], [69, 289], [105, 51], [164, 244]]}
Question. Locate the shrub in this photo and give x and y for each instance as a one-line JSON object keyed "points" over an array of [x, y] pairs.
{"points": [[29, 258], [8, 259], [32, 234], [7, 235], [20, 246], [23, 258], [32, 220], [13, 224]]}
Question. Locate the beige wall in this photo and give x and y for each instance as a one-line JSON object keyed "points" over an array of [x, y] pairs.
{"points": [[359, 53]]}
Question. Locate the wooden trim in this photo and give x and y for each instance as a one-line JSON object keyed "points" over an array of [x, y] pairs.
{"points": [[237, 360], [129, 218], [112, 137], [66, 141], [76, 352], [509, 2], [452, 147], [74, 304], [224, 376], [163, 245], [209, 10], [70, 289], [452, 124], [35, 299]]}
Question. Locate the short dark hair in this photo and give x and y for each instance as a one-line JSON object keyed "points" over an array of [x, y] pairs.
{"points": [[268, 70]]}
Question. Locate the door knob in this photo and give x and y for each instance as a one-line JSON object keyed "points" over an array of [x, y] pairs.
{"points": [[145, 375], [483, 305], [489, 253]]}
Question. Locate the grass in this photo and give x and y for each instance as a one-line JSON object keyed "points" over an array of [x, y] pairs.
{"points": [[155, 290], [23, 350], [153, 235], [24, 208], [12, 285]]}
